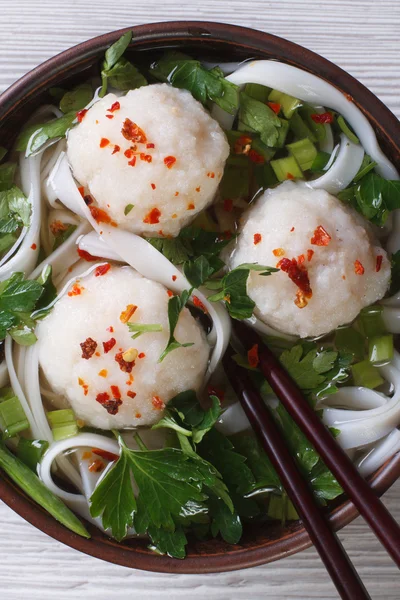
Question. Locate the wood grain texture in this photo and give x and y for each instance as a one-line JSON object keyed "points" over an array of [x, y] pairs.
{"points": [[363, 38]]}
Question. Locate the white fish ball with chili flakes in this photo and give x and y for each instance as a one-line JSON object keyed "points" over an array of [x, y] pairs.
{"points": [[88, 356], [331, 267], [151, 160]]}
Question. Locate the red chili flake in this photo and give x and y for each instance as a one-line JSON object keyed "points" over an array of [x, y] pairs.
{"points": [[275, 106], [133, 132], [88, 199], [142, 355], [173, 277], [88, 348], [110, 329], [102, 270], [153, 186], [96, 466], [103, 372], [215, 391], [211, 175], [242, 145], [116, 149], [198, 189], [81, 190], [176, 193], [301, 299], [152, 217], [301, 258], [191, 206], [110, 456], [256, 157], [132, 162], [86, 256], [297, 273], [84, 386], [343, 276], [289, 176], [110, 116], [80, 114], [127, 313], [257, 238], [111, 406], [379, 259], [146, 157], [252, 356], [278, 252], [157, 403], [104, 142], [310, 254], [114, 107], [321, 237], [131, 394], [358, 268], [125, 366], [86, 455], [198, 303], [326, 117], [76, 290], [99, 215], [33, 247], [228, 205], [128, 153], [169, 161], [116, 393], [150, 146], [292, 230], [107, 346]]}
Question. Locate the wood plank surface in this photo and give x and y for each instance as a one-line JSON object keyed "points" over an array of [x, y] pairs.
{"points": [[363, 38]]}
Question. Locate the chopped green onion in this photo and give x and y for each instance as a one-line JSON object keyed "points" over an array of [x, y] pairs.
{"points": [[380, 349], [371, 321], [317, 128], [366, 375], [288, 103], [286, 168], [282, 133], [304, 152], [300, 129], [320, 161], [347, 131], [349, 340], [257, 91], [139, 328], [63, 423], [12, 417], [31, 452]]}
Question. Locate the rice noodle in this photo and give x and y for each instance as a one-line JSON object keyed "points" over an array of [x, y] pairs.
{"points": [[373, 459]]}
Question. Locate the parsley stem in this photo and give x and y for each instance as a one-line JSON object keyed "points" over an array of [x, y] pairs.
{"points": [[140, 442]]}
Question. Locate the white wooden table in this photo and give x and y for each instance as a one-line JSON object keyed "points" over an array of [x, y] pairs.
{"points": [[362, 36]]}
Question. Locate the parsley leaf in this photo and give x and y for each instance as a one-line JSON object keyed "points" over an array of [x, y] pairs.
{"points": [[174, 249], [373, 196], [301, 368], [259, 117], [76, 99], [32, 138], [117, 70], [175, 306], [199, 270], [225, 522], [139, 328]]}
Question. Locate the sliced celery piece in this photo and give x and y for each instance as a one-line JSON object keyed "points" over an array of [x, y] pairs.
{"points": [[286, 168], [288, 103], [320, 161], [347, 130], [31, 452], [12, 417], [350, 341], [276, 507], [371, 322], [317, 128], [300, 129], [380, 349], [366, 375], [262, 149], [265, 176], [235, 182], [257, 91], [282, 133], [63, 423], [304, 152]]}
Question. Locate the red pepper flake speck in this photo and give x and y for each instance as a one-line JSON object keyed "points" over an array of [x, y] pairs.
{"points": [[215, 391], [228, 205], [88, 199], [191, 206], [133, 132], [298, 274], [358, 268], [33, 247], [102, 270], [99, 215], [110, 456], [88, 348], [278, 252], [170, 294], [96, 466], [150, 146], [110, 116], [104, 142], [152, 217], [125, 366], [173, 277], [116, 393], [81, 190], [132, 162], [80, 114], [379, 259], [198, 303], [116, 149], [275, 107], [326, 117], [257, 238], [169, 161], [321, 237], [252, 356], [256, 157], [157, 403], [110, 329], [128, 153], [111, 406], [310, 254], [153, 186], [146, 157], [211, 174], [289, 176], [107, 346], [86, 256], [176, 193], [198, 189], [76, 290], [142, 355], [292, 230], [131, 394], [114, 107]]}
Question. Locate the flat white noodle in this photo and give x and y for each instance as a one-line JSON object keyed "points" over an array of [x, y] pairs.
{"points": [[385, 449]]}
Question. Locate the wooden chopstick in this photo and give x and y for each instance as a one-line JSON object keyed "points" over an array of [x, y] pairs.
{"points": [[332, 553], [356, 487]]}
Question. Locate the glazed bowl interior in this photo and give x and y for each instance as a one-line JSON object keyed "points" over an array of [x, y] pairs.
{"points": [[217, 43]]}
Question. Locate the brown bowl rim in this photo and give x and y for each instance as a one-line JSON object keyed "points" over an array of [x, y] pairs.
{"points": [[226, 558]]}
